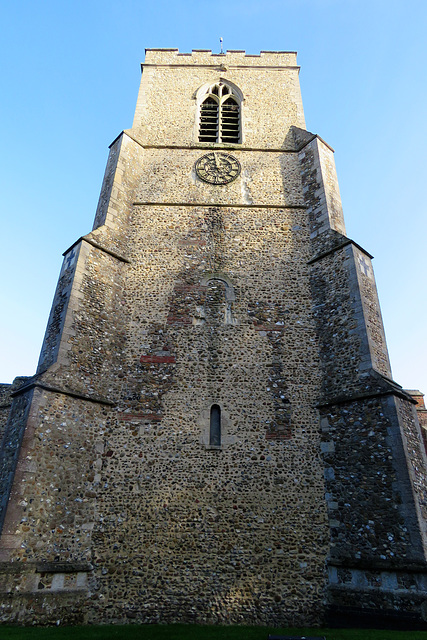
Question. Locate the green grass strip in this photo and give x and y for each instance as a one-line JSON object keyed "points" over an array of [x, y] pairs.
{"points": [[195, 632]]}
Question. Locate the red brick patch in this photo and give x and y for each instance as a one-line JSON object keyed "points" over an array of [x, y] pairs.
{"points": [[278, 435], [158, 359]]}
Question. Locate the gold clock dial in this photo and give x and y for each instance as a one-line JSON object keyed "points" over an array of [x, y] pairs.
{"points": [[217, 168]]}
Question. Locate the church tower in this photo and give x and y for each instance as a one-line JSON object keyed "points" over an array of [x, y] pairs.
{"points": [[213, 434]]}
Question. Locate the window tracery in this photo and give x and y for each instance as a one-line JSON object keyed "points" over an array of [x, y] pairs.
{"points": [[220, 115]]}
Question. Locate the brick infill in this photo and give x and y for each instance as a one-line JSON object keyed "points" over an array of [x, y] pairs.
{"points": [[158, 359]]}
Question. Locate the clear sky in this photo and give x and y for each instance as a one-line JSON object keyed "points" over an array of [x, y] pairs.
{"points": [[69, 78]]}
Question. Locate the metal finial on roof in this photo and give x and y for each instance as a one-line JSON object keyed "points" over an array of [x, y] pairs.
{"points": [[221, 41]]}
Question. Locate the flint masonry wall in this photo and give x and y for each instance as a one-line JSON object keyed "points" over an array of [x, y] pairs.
{"points": [[10, 447], [203, 512], [197, 348], [376, 559], [209, 293], [185, 295], [166, 111], [372, 449], [6, 391], [46, 537], [5, 404]]}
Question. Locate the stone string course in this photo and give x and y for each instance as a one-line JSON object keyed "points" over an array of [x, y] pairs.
{"points": [[185, 295]]}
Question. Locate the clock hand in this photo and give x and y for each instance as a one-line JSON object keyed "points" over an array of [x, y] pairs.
{"points": [[221, 166]]}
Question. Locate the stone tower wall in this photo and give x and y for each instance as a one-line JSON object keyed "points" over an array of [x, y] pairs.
{"points": [[247, 298], [166, 112]]}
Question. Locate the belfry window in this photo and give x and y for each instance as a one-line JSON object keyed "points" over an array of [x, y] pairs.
{"points": [[220, 115], [215, 426]]}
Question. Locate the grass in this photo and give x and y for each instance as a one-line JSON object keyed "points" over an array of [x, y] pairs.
{"points": [[195, 632]]}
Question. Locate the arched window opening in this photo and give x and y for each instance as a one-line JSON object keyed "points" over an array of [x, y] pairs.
{"points": [[230, 121], [209, 111], [220, 115], [215, 426]]}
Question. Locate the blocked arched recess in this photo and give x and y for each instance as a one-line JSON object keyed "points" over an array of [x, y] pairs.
{"points": [[203, 93], [201, 312]]}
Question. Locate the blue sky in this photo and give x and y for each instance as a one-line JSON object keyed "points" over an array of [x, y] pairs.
{"points": [[70, 76]]}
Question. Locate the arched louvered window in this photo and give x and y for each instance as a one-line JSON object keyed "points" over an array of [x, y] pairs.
{"points": [[209, 112], [220, 115], [215, 426], [230, 120]]}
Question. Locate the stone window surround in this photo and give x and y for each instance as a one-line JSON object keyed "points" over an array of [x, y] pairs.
{"points": [[235, 92]]}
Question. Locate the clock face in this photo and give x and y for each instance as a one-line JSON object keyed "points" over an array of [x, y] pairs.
{"points": [[217, 168]]}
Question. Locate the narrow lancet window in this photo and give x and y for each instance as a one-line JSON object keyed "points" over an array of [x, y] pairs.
{"points": [[220, 115], [215, 426]]}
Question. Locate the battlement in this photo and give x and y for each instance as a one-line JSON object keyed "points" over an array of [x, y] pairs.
{"points": [[231, 57]]}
